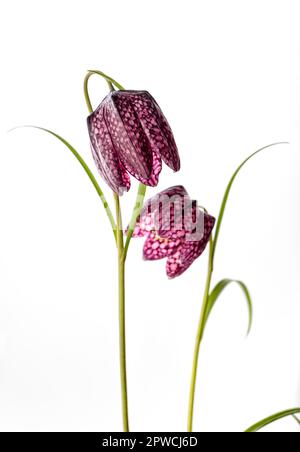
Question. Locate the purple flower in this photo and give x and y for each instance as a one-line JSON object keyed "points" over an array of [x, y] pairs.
{"points": [[129, 134], [176, 229]]}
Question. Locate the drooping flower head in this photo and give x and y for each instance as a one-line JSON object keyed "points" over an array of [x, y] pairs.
{"points": [[175, 228], [129, 134]]}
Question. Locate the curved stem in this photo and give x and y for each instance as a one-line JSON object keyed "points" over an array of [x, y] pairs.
{"points": [[199, 337], [121, 277], [142, 188], [122, 254], [86, 87], [86, 92], [107, 78], [122, 330]]}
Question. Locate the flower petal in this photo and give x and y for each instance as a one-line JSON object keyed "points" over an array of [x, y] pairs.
{"points": [[189, 251], [144, 225], [182, 259], [128, 135], [104, 153], [130, 140], [156, 214], [152, 180], [170, 208], [156, 247], [158, 130]]}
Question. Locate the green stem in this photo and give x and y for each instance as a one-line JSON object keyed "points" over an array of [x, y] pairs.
{"points": [[107, 78], [136, 211], [122, 254], [199, 337], [86, 92], [121, 276], [86, 87], [212, 251], [122, 324]]}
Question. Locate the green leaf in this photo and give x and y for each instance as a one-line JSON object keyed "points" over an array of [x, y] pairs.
{"points": [[271, 419], [216, 292], [86, 169], [296, 419], [227, 192]]}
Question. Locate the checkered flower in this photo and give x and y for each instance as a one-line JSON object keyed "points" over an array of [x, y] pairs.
{"points": [[175, 228], [130, 135]]}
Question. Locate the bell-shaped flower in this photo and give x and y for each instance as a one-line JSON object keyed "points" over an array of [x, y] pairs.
{"points": [[130, 135], [175, 228]]}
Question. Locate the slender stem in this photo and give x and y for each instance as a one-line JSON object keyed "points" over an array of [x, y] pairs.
{"points": [[122, 253], [142, 188], [199, 337], [122, 329], [212, 251], [136, 211], [107, 78], [111, 83], [86, 92]]}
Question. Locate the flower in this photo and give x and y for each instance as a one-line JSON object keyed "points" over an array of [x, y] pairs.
{"points": [[129, 134], [176, 229]]}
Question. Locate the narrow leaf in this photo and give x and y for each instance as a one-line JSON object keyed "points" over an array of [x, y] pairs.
{"points": [[216, 292], [296, 419], [227, 192], [271, 419], [88, 172]]}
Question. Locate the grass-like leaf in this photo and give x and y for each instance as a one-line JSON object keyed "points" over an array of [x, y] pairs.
{"points": [[227, 192], [216, 292], [296, 419], [269, 420], [88, 172]]}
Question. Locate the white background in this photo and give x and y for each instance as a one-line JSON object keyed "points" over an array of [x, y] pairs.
{"points": [[226, 74]]}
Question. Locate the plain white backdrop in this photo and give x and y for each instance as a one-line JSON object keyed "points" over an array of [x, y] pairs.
{"points": [[226, 74]]}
